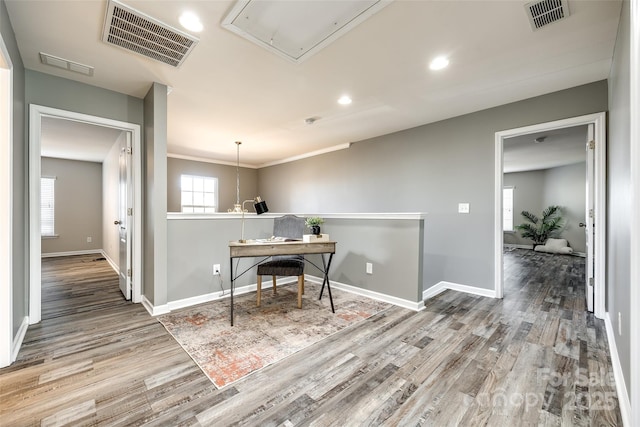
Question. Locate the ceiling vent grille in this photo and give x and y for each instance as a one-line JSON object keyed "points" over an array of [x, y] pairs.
{"points": [[545, 12], [134, 31]]}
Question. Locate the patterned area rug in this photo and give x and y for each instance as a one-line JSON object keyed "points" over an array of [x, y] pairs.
{"points": [[262, 335]]}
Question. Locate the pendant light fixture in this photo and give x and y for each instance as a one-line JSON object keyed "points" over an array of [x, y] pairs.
{"points": [[237, 207]]}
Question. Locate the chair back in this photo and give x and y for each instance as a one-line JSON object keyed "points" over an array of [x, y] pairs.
{"points": [[289, 226]]}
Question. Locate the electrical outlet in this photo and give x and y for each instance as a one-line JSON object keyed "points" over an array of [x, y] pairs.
{"points": [[369, 268], [463, 208], [89, 239], [216, 269]]}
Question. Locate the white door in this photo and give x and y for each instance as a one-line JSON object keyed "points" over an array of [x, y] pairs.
{"points": [[124, 214], [589, 223]]}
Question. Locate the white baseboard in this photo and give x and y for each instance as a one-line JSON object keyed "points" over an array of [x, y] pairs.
{"points": [[443, 286], [154, 310], [111, 262], [70, 253], [621, 388], [17, 340], [400, 302], [188, 302]]}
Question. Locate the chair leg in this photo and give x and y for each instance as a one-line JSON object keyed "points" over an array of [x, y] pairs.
{"points": [[259, 283], [273, 279], [300, 289]]}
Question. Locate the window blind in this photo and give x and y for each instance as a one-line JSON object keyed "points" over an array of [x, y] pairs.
{"points": [[47, 205]]}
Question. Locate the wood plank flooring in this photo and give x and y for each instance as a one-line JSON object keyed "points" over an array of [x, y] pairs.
{"points": [[533, 358]]}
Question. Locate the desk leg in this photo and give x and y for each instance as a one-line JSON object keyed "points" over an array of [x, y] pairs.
{"points": [[327, 266], [233, 282]]}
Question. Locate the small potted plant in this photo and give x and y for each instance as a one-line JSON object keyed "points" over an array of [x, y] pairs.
{"points": [[540, 229], [313, 223]]}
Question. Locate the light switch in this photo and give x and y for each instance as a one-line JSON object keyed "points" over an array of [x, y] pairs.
{"points": [[463, 207]]}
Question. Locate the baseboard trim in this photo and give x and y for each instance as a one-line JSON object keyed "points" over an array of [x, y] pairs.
{"points": [[400, 302], [154, 310], [71, 253], [111, 262], [517, 246], [443, 286], [17, 340], [621, 388], [213, 296]]}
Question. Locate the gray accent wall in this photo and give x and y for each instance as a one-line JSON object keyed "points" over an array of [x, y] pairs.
{"points": [[618, 195], [155, 195], [20, 214], [78, 205], [226, 182], [429, 169], [536, 190]]}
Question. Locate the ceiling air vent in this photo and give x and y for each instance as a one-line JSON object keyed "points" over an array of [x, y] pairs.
{"points": [[545, 12], [134, 31]]}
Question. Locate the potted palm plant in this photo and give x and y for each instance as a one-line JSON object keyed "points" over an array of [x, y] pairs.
{"points": [[313, 223], [540, 229]]}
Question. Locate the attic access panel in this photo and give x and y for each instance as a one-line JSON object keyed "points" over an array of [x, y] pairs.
{"points": [[297, 29]]}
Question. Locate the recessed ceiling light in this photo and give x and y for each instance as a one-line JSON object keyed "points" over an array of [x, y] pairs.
{"points": [[439, 63], [191, 22], [344, 100]]}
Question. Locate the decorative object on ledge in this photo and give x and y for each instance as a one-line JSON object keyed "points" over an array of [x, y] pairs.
{"points": [[260, 207], [313, 223], [237, 208]]}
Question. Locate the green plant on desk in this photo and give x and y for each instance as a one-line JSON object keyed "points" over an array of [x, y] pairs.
{"points": [[313, 223]]}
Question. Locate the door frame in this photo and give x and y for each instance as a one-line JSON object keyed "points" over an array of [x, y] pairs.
{"points": [[7, 352], [36, 113], [599, 122]]}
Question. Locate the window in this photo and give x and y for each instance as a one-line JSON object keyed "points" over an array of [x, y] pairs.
{"points": [[199, 194], [507, 209], [47, 206]]}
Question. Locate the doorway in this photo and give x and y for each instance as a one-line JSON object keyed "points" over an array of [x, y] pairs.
{"points": [[36, 115], [594, 251]]}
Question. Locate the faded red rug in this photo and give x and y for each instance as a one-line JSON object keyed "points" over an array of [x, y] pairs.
{"points": [[262, 335]]}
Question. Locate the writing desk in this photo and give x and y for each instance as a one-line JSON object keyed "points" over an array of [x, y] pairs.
{"points": [[266, 249]]}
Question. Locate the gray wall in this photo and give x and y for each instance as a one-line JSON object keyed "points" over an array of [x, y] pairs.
{"points": [[430, 169], [78, 205], [536, 190], [393, 246], [618, 192], [20, 249], [155, 195], [226, 182]]}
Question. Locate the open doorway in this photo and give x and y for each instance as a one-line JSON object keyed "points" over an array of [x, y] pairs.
{"points": [[42, 117], [590, 128]]}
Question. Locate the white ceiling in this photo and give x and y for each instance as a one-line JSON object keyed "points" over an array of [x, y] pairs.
{"points": [[229, 89], [559, 147], [68, 139]]}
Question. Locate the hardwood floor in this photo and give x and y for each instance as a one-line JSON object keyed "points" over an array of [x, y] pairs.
{"points": [[533, 358]]}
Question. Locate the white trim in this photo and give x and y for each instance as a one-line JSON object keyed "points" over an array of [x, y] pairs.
{"points": [[357, 216], [262, 165], [621, 388], [206, 160], [634, 252], [213, 296], [517, 246], [6, 207], [36, 112], [599, 122], [154, 310], [307, 155], [400, 302], [17, 341], [111, 262], [443, 286], [71, 253]]}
